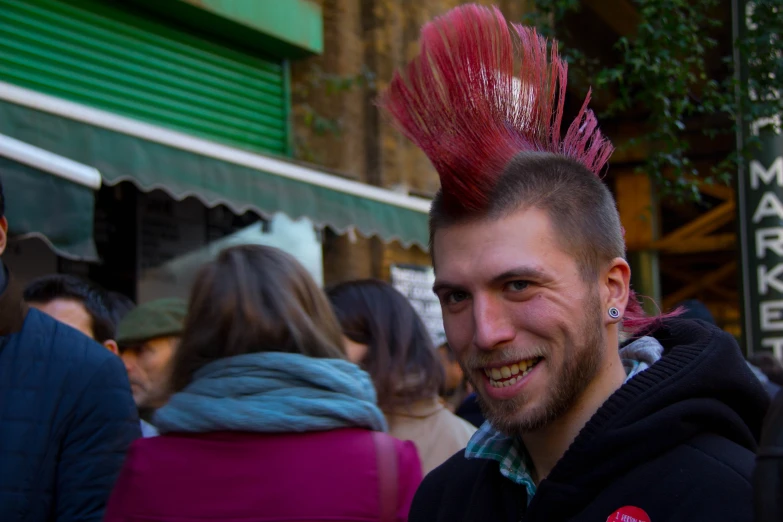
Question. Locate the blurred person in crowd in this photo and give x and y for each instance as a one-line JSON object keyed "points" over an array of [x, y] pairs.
{"points": [[66, 413], [530, 270], [453, 390], [86, 307], [77, 302], [470, 410], [769, 365], [462, 399], [268, 419], [385, 336], [695, 309], [148, 337], [119, 305], [760, 358]]}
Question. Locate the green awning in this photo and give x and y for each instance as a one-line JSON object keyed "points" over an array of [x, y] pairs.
{"points": [[40, 204], [213, 173]]}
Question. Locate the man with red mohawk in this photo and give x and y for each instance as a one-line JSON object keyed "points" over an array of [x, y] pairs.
{"points": [[531, 273]]}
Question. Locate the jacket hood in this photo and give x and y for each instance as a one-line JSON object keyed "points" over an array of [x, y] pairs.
{"points": [[700, 385]]}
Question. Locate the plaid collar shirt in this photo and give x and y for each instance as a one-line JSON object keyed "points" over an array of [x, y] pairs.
{"points": [[515, 462]]}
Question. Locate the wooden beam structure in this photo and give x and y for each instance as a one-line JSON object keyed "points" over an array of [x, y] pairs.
{"points": [[638, 152], [696, 235], [685, 277], [681, 249], [638, 211], [718, 242], [718, 191], [636, 208], [693, 289]]}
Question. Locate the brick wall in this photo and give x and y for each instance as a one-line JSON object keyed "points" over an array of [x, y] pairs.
{"points": [[379, 36]]}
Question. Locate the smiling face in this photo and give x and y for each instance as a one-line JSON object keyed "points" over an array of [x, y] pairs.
{"points": [[528, 331]]}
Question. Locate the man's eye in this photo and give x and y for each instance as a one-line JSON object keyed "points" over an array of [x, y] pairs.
{"points": [[456, 297], [518, 286]]}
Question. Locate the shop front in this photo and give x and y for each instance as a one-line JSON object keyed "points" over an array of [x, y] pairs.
{"points": [[185, 135]]}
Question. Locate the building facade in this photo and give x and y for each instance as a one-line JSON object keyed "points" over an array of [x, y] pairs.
{"points": [[139, 138]]}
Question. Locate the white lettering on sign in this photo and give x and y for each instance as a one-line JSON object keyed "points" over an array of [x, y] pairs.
{"points": [[775, 344], [629, 514], [769, 239], [769, 245], [769, 206], [759, 173], [771, 316], [769, 279]]}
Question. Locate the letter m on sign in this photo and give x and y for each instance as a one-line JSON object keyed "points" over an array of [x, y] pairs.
{"points": [[759, 173]]}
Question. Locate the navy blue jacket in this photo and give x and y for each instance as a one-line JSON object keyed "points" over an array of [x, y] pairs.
{"points": [[677, 441], [67, 418]]}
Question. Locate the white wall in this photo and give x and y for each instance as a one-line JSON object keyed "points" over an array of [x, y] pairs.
{"points": [[173, 278]]}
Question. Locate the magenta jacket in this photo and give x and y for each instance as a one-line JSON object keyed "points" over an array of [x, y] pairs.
{"points": [[255, 477]]}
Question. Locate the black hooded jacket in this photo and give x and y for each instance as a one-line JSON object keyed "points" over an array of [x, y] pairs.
{"points": [[676, 441]]}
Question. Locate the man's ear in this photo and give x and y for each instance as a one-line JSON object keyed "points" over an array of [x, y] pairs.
{"points": [[616, 289], [3, 234], [111, 345]]}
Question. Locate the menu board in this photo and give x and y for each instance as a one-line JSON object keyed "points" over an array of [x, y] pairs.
{"points": [[415, 283]]}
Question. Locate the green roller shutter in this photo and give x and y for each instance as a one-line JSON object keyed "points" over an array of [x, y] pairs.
{"points": [[104, 55]]}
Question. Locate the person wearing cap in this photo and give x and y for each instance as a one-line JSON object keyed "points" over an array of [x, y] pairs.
{"points": [[148, 337]]}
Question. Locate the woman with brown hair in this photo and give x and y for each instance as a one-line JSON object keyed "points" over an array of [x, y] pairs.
{"points": [[384, 334], [268, 421]]}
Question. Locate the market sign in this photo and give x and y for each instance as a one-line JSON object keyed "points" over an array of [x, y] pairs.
{"points": [[761, 231], [760, 209]]}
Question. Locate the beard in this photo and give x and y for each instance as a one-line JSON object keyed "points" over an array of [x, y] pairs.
{"points": [[580, 365]]}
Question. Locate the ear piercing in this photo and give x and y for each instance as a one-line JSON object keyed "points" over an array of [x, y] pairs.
{"points": [[614, 313]]}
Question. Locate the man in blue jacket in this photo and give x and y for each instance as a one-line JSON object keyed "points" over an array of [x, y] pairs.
{"points": [[67, 415]]}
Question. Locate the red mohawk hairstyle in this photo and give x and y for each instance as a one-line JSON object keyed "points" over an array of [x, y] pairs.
{"points": [[480, 92]]}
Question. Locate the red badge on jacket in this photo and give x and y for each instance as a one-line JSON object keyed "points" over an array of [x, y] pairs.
{"points": [[629, 514]]}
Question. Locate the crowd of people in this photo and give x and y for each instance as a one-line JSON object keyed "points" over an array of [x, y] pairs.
{"points": [[264, 397], [260, 371]]}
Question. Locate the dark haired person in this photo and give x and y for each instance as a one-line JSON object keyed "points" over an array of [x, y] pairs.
{"points": [[389, 340], [530, 270], [453, 390], [268, 421], [769, 365], [96, 313], [66, 414], [76, 302], [120, 305]]}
